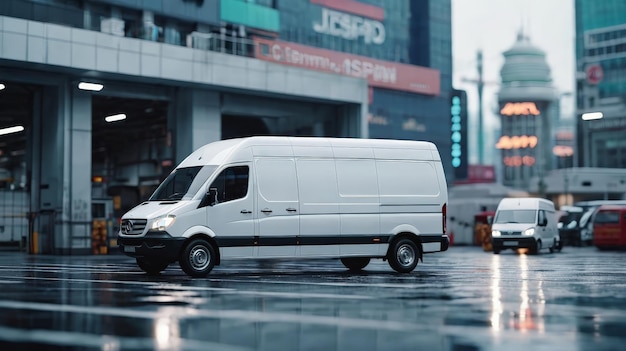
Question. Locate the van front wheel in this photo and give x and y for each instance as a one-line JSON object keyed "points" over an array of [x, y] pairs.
{"points": [[403, 255], [355, 263], [151, 267], [198, 258]]}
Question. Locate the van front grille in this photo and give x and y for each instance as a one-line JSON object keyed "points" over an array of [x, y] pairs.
{"points": [[133, 226], [511, 233]]}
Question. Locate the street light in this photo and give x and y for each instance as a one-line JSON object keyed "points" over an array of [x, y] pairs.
{"points": [[590, 116], [587, 117]]}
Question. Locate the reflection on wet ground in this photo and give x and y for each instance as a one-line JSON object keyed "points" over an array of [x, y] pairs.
{"points": [[463, 299]]}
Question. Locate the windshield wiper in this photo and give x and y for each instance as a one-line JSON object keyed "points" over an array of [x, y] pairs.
{"points": [[175, 196]]}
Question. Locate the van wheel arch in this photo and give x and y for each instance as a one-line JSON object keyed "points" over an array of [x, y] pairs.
{"points": [[207, 238], [411, 236]]}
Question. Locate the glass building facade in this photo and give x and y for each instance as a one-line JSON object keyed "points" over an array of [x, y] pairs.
{"points": [[601, 84], [402, 47], [416, 32]]}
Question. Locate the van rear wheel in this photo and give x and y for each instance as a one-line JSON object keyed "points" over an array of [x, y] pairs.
{"points": [[198, 258], [355, 263], [403, 255], [151, 267]]}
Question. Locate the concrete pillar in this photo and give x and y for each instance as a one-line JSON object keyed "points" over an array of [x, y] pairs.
{"points": [[353, 121], [78, 177], [48, 160], [197, 120], [64, 208]]}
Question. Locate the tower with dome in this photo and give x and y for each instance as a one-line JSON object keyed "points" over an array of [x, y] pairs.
{"points": [[528, 110]]}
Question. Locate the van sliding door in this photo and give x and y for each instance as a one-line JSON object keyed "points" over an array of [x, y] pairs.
{"points": [[277, 207]]}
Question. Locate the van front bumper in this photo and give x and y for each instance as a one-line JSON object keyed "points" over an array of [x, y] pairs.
{"points": [[155, 244], [501, 243]]}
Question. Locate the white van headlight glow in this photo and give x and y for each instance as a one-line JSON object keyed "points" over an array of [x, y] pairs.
{"points": [[495, 233], [529, 231], [162, 223]]}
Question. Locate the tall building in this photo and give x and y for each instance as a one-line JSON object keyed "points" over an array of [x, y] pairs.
{"points": [[528, 112], [104, 97], [601, 83]]}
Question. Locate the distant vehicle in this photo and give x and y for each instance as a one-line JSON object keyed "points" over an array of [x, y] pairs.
{"points": [[525, 223], [609, 227], [586, 221], [286, 198], [594, 204], [569, 224]]}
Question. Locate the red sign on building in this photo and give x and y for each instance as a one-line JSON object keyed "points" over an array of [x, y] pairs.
{"points": [[381, 74], [353, 7], [594, 74]]}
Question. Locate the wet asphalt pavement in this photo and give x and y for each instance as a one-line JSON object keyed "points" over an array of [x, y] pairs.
{"points": [[462, 299]]}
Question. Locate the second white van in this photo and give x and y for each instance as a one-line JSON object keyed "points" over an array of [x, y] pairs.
{"points": [[289, 197], [525, 223]]}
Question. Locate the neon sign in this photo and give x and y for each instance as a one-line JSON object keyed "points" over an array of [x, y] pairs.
{"points": [[350, 27], [520, 108], [563, 150], [455, 112], [518, 161], [517, 142]]}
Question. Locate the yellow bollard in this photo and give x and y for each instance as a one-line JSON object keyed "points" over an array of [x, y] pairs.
{"points": [[35, 243]]}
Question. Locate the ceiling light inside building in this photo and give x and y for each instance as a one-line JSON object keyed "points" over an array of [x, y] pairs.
{"points": [[90, 86], [115, 118], [10, 130], [592, 115]]}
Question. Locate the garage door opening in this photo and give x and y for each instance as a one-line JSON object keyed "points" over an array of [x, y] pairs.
{"points": [[131, 152], [18, 103]]}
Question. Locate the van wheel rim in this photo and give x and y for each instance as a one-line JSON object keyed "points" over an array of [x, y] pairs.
{"points": [[199, 258], [405, 255]]}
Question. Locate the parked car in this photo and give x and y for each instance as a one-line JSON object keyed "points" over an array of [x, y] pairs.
{"points": [[569, 225]]}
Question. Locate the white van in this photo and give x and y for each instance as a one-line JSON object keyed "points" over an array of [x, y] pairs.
{"points": [[291, 197], [528, 223]]}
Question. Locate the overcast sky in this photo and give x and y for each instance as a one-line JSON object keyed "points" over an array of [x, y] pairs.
{"points": [[492, 25]]}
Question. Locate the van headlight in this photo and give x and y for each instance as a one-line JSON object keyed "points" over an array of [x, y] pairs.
{"points": [[529, 232], [495, 233], [162, 223]]}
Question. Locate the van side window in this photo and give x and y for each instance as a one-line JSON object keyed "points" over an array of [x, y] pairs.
{"points": [[541, 216], [231, 183]]}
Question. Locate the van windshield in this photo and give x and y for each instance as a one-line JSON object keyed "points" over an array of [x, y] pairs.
{"points": [[516, 216], [182, 183]]}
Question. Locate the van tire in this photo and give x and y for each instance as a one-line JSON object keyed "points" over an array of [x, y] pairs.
{"points": [[198, 258], [403, 255], [151, 267], [556, 246], [535, 250], [355, 263]]}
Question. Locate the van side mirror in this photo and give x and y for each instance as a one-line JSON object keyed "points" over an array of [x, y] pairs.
{"points": [[490, 220], [212, 195], [544, 222]]}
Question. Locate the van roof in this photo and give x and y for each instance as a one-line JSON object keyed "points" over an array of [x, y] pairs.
{"points": [[242, 149], [612, 207], [524, 202]]}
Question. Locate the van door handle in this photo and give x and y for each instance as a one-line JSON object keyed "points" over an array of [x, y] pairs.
{"points": [[266, 211], [246, 211], [290, 209]]}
